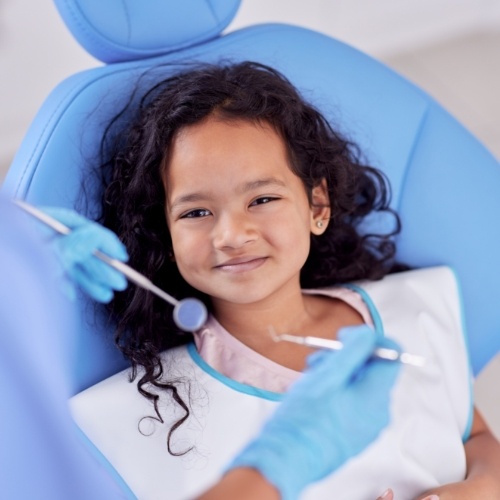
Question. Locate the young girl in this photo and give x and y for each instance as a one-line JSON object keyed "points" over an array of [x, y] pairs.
{"points": [[231, 188]]}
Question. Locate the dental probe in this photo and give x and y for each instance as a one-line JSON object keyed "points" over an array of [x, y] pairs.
{"points": [[335, 345], [189, 314]]}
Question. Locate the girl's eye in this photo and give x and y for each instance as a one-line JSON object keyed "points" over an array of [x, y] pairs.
{"points": [[262, 200], [195, 214]]}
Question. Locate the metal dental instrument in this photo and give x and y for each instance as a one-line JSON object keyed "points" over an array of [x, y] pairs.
{"points": [[335, 345], [189, 314]]}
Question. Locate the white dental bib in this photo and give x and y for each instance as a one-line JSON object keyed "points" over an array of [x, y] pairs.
{"points": [[421, 448]]}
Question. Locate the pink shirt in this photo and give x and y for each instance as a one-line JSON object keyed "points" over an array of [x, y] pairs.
{"points": [[232, 358]]}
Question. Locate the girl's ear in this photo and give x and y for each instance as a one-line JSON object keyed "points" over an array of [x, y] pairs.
{"points": [[320, 208]]}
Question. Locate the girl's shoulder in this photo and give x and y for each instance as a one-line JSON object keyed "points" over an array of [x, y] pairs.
{"points": [[443, 275], [431, 287]]}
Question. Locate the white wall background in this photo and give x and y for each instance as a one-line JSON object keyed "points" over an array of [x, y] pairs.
{"points": [[37, 51], [381, 27]]}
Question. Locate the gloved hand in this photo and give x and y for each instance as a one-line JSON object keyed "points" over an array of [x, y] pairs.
{"points": [[336, 409], [75, 253]]}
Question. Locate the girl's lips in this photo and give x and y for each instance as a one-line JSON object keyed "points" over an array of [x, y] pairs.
{"points": [[241, 265]]}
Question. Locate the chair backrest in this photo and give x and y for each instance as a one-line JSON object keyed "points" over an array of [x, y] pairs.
{"points": [[444, 181]]}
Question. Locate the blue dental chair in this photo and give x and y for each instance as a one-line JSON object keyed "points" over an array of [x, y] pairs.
{"points": [[444, 181]]}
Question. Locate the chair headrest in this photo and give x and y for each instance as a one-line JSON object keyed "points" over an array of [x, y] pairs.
{"points": [[123, 30]]}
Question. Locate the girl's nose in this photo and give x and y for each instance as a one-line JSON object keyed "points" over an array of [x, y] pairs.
{"points": [[233, 231]]}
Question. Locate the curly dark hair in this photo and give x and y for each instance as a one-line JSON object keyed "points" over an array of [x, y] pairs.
{"points": [[134, 198]]}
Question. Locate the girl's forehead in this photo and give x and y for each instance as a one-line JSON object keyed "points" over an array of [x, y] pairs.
{"points": [[216, 143], [216, 122], [201, 137], [227, 157]]}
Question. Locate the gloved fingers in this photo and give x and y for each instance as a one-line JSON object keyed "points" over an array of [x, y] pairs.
{"points": [[76, 252], [81, 243], [379, 376], [93, 236], [317, 356], [104, 274], [85, 241], [385, 372], [338, 367], [98, 291], [388, 343], [351, 334]]}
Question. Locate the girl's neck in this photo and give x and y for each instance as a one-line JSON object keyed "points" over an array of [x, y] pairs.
{"points": [[249, 322], [295, 313]]}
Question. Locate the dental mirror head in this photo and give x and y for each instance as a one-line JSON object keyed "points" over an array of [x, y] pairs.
{"points": [[190, 314]]}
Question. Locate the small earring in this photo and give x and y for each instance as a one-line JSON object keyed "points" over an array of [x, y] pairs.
{"points": [[319, 223]]}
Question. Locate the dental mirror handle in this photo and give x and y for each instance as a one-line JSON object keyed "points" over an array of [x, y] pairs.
{"points": [[189, 314]]}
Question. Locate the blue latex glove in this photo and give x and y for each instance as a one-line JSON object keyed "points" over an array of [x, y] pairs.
{"points": [[336, 409], [75, 253]]}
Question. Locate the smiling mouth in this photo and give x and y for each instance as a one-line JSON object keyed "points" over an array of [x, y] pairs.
{"points": [[241, 265]]}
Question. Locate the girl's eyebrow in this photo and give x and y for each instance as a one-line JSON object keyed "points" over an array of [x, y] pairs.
{"points": [[189, 198], [260, 183], [244, 188]]}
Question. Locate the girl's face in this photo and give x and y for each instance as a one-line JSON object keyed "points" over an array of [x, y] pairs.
{"points": [[239, 218]]}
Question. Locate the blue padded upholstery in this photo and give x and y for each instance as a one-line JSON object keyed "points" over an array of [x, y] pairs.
{"points": [[444, 181], [125, 30]]}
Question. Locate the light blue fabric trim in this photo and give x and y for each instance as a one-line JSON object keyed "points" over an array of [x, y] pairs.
{"points": [[468, 427], [377, 320], [233, 384], [105, 463]]}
